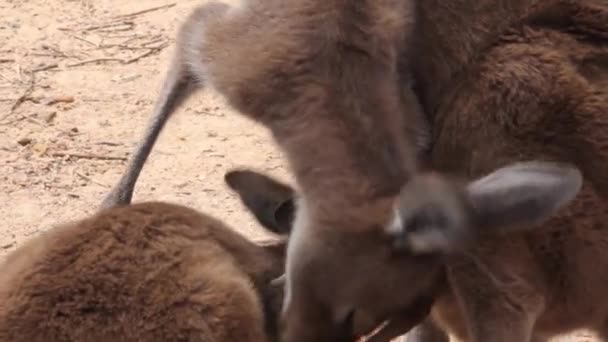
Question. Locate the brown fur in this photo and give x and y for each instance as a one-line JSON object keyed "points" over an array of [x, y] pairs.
{"points": [[149, 272], [146, 272], [539, 90]]}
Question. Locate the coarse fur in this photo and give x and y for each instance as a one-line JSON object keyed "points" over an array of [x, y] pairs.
{"points": [[330, 80], [147, 272], [521, 80]]}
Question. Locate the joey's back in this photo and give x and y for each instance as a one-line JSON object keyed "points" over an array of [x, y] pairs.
{"points": [[152, 271]]}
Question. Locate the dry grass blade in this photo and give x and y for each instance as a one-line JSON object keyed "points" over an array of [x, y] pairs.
{"points": [[115, 26], [150, 51], [46, 67], [86, 156], [134, 14], [91, 180], [95, 60], [26, 93]]}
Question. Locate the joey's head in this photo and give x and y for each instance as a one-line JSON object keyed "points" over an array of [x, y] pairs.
{"points": [[333, 274]]}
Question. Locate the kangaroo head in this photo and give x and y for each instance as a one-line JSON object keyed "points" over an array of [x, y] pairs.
{"points": [[340, 283]]}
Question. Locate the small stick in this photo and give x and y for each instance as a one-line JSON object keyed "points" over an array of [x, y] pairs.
{"points": [[46, 67], [56, 51], [26, 95], [86, 156], [10, 122], [4, 77], [153, 41], [134, 14], [89, 179], [28, 91], [94, 60], [108, 143], [32, 120], [122, 61], [60, 99], [139, 37], [145, 54], [86, 41], [129, 25]]}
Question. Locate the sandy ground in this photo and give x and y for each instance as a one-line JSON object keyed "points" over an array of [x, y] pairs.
{"points": [[77, 82]]}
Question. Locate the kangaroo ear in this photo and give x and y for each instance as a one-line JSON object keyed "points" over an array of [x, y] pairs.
{"points": [[522, 195], [436, 215], [270, 201], [432, 215]]}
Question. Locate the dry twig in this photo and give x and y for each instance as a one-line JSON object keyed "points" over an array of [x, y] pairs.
{"points": [[94, 60], [85, 40], [146, 54], [25, 95], [56, 52], [134, 14], [86, 156], [46, 67], [150, 51], [89, 179], [60, 99], [116, 26]]}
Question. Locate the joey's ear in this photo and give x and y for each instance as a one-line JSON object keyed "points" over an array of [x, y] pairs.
{"points": [[522, 195], [270, 201]]}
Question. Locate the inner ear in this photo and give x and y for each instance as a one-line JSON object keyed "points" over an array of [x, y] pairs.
{"points": [[269, 200], [284, 215], [522, 195]]}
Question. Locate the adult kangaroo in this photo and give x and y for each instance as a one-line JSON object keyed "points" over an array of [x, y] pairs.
{"points": [[520, 80]]}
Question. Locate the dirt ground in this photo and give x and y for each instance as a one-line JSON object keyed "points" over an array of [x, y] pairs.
{"points": [[77, 82]]}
